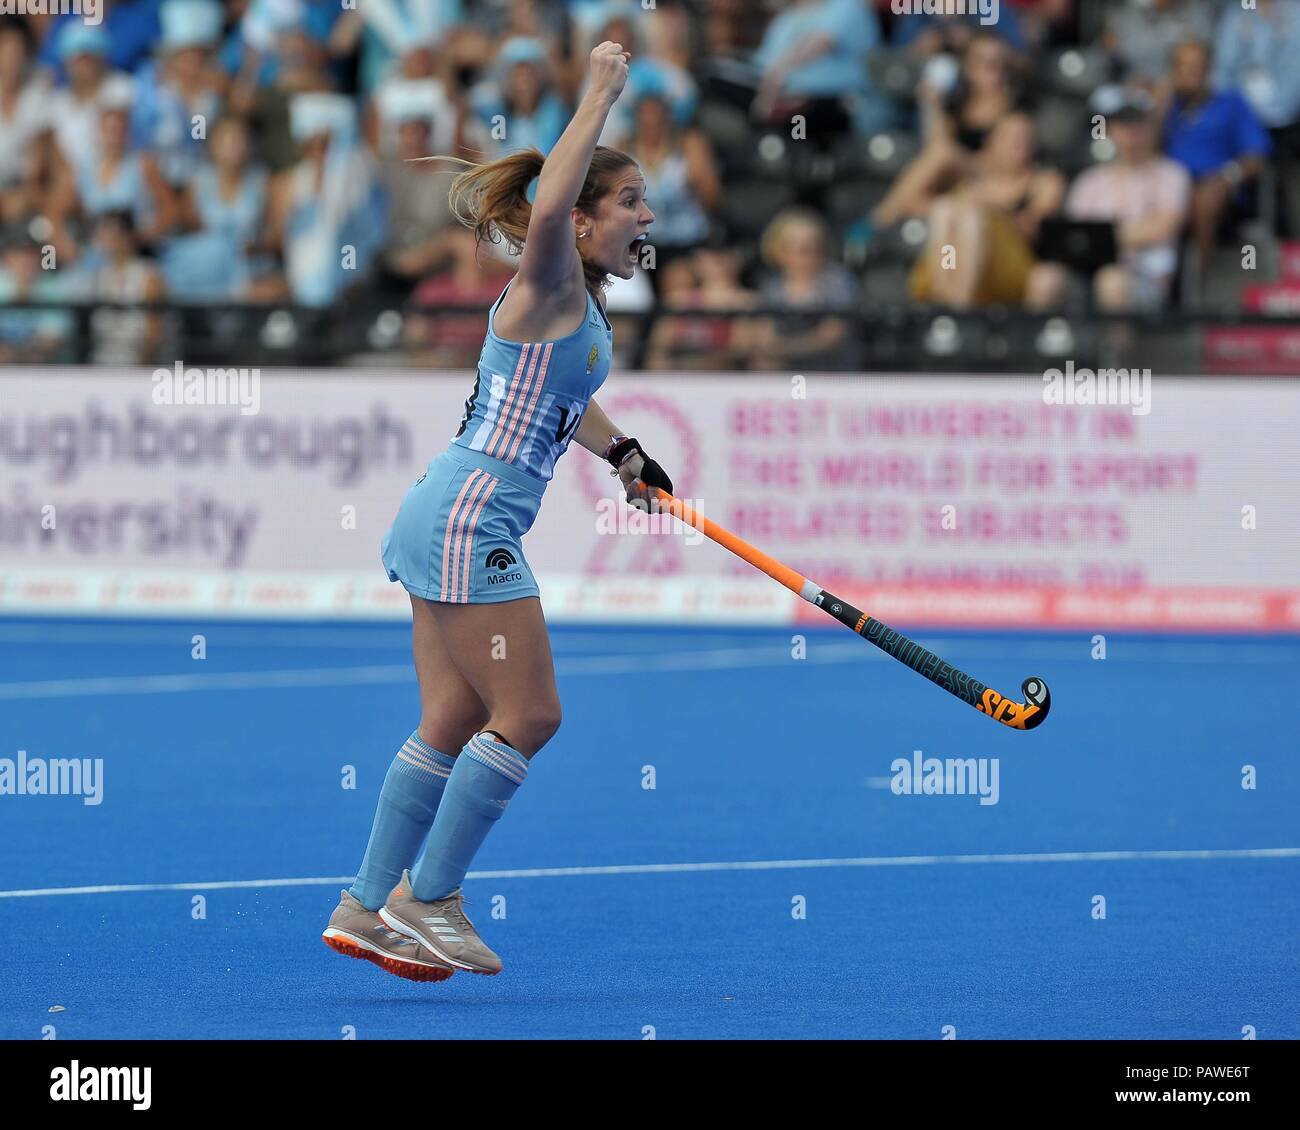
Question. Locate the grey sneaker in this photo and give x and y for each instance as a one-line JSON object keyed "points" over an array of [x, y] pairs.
{"points": [[357, 932], [440, 927]]}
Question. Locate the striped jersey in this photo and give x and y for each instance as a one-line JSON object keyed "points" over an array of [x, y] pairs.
{"points": [[529, 397]]}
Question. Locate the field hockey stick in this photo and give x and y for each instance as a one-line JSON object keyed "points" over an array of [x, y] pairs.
{"points": [[1018, 715]]}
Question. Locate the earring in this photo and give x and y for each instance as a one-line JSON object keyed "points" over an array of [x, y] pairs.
{"points": [[583, 234]]}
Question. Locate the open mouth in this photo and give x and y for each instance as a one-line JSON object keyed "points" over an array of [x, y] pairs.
{"points": [[634, 248]]}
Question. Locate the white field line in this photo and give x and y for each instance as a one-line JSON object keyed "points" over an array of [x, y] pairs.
{"points": [[268, 636], [622, 662], [690, 868], [722, 658], [972, 648]]}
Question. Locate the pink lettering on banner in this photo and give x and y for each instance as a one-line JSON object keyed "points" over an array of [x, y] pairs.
{"points": [[781, 520], [933, 486], [1037, 523], [978, 489], [1133, 474], [773, 419], [958, 421]]}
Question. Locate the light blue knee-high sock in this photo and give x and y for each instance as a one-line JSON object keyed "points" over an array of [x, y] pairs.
{"points": [[486, 775], [408, 803]]}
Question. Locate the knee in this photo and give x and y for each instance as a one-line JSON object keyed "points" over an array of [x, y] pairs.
{"points": [[1210, 195], [448, 728], [939, 154], [1110, 287], [1046, 287], [532, 727], [942, 209], [544, 722]]}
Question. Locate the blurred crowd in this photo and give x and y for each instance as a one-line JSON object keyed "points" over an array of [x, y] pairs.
{"points": [[807, 157]]}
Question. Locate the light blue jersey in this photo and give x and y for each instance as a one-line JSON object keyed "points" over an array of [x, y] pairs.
{"points": [[529, 398], [458, 535]]}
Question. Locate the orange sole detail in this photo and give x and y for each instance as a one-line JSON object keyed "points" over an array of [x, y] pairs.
{"points": [[404, 969]]}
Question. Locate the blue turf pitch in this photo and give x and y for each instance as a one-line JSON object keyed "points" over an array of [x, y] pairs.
{"points": [[229, 770]]}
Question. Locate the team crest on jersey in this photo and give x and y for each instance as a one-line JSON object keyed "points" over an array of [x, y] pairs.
{"points": [[592, 357]]}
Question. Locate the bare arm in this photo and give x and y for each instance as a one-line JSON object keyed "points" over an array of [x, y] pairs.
{"points": [[346, 34], [1248, 168], [810, 47], [166, 213], [1045, 199], [1160, 228], [596, 429], [595, 432], [701, 169], [774, 78], [549, 258]]}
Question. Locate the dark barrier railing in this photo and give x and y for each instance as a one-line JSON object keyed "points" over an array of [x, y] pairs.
{"points": [[883, 338]]}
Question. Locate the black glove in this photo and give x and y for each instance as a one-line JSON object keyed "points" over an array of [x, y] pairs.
{"points": [[652, 475]]}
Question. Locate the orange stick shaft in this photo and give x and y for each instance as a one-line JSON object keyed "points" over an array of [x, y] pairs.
{"points": [[1026, 715], [795, 582]]}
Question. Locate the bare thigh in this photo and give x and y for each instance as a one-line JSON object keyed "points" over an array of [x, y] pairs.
{"points": [[451, 711], [503, 653]]}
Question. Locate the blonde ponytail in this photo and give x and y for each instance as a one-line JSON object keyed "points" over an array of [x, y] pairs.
{"points": [[492, 198]]}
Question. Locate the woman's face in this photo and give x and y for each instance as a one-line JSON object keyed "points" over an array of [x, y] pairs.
{"points": [[316, 146], [678, 278], [652, 116], [800, 247], [621, 216], [524, 86], [21, 264], [419, 63], [85, 70], [1011, 143], [297, 50], [113, 130], [13, 55], [716, 266], [986, 63], [619, 31], [413, 139], [112, 239], [230, 145], [187, 63], [523, 17]]}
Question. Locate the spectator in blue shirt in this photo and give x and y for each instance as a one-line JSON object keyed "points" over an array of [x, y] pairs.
{"points": [[813, 61], [182, 85], [1216, 136], [251, 45], [623, 24], [927, 33], [518, 105], [389, 25], [28, 336], [329, 213], [1257, 51], [131, 25]]}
